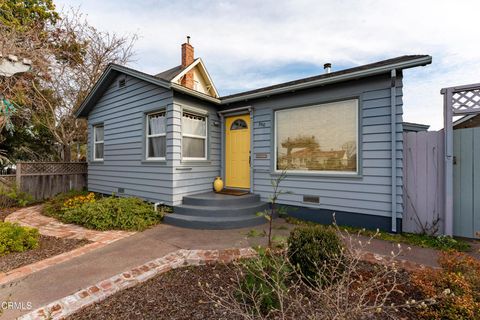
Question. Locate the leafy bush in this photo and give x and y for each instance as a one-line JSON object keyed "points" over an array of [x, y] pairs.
{"points": [[263, 278], [10, 196], [456, 287], [113, 213], [312, 246], [78, 201], [15, 238], [54, 206]]}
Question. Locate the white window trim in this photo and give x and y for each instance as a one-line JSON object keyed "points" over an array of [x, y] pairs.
{"points": [[205, 115], [98, 142], [147, 136], [319, 172]]}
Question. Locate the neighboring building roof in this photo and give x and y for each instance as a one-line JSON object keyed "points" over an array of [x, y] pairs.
{"points": [[317, 153], [467, 121], [383, 66], [161, 79], [414, 127]]}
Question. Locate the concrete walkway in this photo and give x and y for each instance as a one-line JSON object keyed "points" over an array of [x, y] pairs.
{"points": [[63, 279]]}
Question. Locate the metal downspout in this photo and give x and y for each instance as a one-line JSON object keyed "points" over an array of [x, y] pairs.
{"points": [[393, 104], [448, 140]]}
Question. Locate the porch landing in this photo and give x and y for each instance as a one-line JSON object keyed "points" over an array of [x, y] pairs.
{"points": [[217, 211]]}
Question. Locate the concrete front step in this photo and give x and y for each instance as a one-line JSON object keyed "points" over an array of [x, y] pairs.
{"points": [[217, 211], [221, 211], [215, 199], [213, 223]]}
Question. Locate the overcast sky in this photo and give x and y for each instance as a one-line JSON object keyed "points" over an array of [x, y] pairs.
{"points": [[249, 44]]}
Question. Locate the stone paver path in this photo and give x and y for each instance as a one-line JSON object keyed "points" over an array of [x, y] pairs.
{"points": [[31, 217]]}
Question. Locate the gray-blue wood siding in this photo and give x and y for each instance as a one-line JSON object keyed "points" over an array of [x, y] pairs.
{"points": [[370, 193], [122, 112], [191, 177]]}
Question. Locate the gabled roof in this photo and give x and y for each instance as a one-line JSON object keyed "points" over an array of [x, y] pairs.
{"points": [[170, 73], [198, 63], [161, 79], [113, 70], [403, 62]]}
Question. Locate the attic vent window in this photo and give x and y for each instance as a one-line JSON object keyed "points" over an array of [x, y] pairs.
{"points": [[122, 82]]}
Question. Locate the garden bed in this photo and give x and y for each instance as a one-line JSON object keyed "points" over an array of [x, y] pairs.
{"points": [[48, 247], [4, 212], [178, 295], [173, 295]]}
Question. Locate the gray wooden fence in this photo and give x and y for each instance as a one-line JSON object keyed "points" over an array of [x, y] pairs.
{"points": [[43, 180], [423, 181]]}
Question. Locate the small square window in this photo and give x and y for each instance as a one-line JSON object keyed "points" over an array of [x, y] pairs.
{"points": [[122, 83]]}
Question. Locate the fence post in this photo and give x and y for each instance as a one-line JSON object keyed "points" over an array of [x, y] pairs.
{"points": [[18, 176]]}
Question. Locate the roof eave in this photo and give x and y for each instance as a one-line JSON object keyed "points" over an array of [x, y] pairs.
{"points": [[196, 94], [343, 77], [79, 113]]}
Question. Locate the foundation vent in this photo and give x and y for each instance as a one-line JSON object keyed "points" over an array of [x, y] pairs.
{"points": [[311, 199]]}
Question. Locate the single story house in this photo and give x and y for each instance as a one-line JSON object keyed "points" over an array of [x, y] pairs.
{"points": [[165, 138]]}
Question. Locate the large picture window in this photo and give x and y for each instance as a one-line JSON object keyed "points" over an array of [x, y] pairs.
{"points": [[98, 142], [319, 138], [194, 136], [156, 136]]}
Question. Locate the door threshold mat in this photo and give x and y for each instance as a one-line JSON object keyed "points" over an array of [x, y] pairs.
{"points": [[234, 192]]}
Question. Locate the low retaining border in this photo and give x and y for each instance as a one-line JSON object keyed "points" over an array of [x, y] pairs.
{"points": [[182, 258]]}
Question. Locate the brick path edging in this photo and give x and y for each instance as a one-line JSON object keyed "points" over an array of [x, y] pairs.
{"points": [[182, 258]]}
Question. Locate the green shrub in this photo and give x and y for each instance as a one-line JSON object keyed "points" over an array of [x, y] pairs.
{"points": [[113, 213], [265, 278], [312, 246], [10, 196], [15, 238], [54, 206]]}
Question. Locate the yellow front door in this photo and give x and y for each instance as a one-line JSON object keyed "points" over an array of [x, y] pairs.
{"points": [[237, 151]]}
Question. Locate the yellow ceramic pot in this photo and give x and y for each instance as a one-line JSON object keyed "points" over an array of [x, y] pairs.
{"points": [[218, 184]]}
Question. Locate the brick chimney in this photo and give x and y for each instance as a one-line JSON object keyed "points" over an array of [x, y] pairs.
{"points": [[187, 58]]}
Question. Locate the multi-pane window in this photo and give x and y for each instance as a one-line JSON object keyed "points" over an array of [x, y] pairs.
{"points": [[194, 136], [98, 142], [156, 136], [319, 138]]}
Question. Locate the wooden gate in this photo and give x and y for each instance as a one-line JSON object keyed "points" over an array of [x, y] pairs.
{"points": [[466, 182], [423, 160]]}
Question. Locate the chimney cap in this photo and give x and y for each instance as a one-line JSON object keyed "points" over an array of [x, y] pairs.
{"points": [[327, 67], [188, 39]]}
